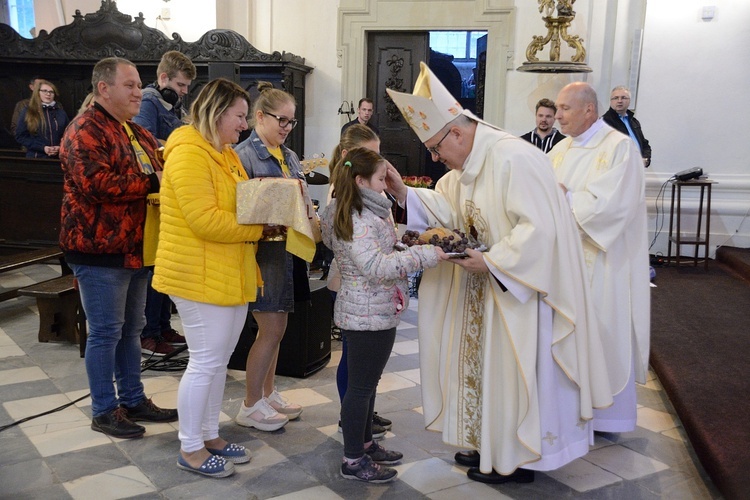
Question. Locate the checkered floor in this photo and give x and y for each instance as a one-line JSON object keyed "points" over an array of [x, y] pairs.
{"points": [[59, 456]]}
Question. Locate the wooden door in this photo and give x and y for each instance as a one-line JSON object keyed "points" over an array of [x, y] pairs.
{"points": [[393, 62]]}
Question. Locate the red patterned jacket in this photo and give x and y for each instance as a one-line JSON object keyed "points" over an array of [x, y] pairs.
{"points": [[104, 193]]}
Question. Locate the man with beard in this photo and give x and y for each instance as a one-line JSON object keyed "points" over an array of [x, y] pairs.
{"points": [[545, 135]]}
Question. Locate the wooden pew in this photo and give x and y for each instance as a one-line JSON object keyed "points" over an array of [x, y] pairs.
{"points": [[31, 191], [23, 259], [61, 315]]}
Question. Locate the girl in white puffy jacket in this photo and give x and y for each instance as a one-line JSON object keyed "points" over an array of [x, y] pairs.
{"points": [[374, 292]]}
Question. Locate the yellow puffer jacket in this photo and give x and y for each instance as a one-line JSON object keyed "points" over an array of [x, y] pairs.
{"points": [[204, 255]]}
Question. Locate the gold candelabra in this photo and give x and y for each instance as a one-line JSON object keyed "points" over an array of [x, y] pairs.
{"points": [[557, 32]]}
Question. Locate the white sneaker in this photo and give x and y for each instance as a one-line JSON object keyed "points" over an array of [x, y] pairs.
{"points": [[262, 416], [283, 406]]}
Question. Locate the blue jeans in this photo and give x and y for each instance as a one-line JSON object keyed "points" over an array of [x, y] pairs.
{"points": [[114, 300], [158, 311]]}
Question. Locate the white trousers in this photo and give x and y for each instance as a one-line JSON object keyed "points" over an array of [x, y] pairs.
{"points": [[212, 333]]}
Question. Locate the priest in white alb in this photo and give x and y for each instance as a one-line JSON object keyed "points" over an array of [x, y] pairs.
{"points": [[510, 364], [602, 172]]}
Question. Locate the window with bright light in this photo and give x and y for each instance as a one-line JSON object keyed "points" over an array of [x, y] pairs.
{"points": [[462, 45], [21, 13]]}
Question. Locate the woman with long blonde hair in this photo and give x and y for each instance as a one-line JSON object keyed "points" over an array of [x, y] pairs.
{"points": [[42, 123]]}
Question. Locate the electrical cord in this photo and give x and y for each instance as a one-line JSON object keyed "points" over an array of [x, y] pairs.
{"points": [[739, 226], [657, 227], [165, 363], [145, 365]]}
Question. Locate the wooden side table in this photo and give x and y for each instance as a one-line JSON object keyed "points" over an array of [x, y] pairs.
{"points": [[694, 239]]}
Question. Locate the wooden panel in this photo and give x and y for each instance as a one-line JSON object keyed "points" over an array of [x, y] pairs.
{"points": [[393, 62], [30, 200]]}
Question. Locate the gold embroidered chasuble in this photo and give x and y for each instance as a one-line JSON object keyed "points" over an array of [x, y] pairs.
{"points": [[478, 344], [605, 177]]}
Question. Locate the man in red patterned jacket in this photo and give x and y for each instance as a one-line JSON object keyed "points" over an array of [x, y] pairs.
{"points": [[110, 166]]}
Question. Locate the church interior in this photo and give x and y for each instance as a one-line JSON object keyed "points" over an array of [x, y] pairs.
{"points": [[686, 82]]}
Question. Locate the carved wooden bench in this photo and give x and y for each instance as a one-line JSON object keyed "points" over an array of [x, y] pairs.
{"points": [[61, 315]]}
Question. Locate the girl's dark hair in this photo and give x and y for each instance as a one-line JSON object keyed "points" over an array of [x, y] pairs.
{"points": [[357, 162]]}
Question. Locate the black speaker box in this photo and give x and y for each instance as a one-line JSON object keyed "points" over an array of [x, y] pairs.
{"points": [[228, 70], [306, 346]]}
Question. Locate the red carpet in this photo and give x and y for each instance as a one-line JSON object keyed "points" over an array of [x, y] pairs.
{"points": [[700, 343]]}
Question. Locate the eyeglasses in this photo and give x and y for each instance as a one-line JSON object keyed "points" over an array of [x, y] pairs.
{"points": [[284, 122], [621, 98], [43, 91], [434, 149]]}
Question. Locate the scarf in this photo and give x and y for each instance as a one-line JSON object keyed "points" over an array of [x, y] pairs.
{"points": [[376, 202]]}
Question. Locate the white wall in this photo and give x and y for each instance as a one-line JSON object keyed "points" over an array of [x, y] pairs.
{"points": [[691, 102], [189, 18]]}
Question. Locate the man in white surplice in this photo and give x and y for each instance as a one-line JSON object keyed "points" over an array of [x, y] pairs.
{"points": [[602, 171], [509, 364]]}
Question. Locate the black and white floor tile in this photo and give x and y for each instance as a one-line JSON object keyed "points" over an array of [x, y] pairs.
{"points": [[59, 456]]}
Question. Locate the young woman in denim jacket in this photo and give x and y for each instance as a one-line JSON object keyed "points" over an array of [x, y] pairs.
{"points": [[264, 154]]}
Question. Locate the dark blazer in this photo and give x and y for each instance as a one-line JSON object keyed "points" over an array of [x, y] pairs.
{"points": [[613, 120]]}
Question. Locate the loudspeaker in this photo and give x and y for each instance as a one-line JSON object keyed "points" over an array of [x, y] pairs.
{"points": [[306, 346], [228, 70]]}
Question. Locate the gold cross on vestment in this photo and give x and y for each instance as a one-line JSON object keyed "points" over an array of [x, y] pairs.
{"points": [[550, 438]]}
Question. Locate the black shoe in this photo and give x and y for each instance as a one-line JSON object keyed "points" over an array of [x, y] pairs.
{"points": [[368, 471], [519, 476], [147, 411], [117, 424], [377, 430], [467, 458], [381, 421], [381, 456]]}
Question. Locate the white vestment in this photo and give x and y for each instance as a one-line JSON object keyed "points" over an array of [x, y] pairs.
{"points": [[603, 171], [509, 373]]}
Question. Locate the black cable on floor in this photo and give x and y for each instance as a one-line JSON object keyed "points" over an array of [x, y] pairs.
{"points": [[144, 366], [165, 363]]}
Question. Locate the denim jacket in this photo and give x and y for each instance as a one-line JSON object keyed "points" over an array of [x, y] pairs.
{"points": [[259, 162], [157, 115]]}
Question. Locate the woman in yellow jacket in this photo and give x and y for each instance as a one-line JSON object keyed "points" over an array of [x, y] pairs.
{"points": [[205, 261]]}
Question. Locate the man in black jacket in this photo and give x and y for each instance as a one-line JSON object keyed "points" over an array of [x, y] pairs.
{"points": [[621, 118], [545, 135], [365, 110]]}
